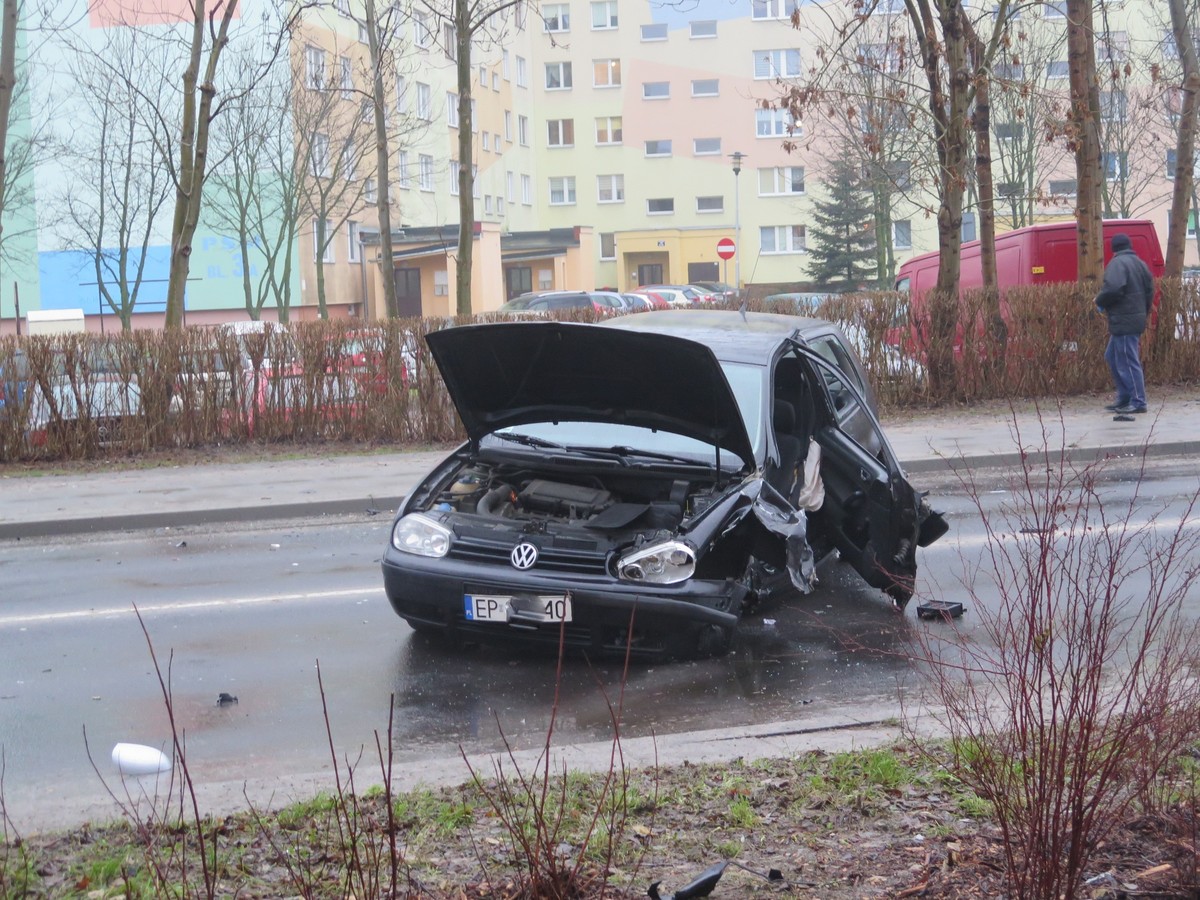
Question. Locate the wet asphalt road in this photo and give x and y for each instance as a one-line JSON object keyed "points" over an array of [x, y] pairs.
{"points": [[252, 611]]}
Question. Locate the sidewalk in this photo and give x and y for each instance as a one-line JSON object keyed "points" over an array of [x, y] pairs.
{"points": [[979, 437]]}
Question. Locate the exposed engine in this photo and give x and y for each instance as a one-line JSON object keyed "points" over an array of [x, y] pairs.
{"points": [[605, 502]]}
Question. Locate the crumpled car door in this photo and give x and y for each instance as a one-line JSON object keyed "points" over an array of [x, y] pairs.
{"points": [[875, 518]]}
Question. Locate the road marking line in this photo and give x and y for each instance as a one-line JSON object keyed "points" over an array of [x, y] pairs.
{"points": [[185, 606], [1134, 527]]}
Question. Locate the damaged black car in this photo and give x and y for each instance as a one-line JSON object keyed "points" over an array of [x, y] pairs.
{"points": [[642, 483]]}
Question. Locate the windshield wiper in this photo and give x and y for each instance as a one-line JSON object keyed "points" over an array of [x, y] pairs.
{"points": [[528, 440], [623, 451]]}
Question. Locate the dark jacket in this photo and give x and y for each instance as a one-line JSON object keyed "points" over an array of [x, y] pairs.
{"points": [[1126, 294]]}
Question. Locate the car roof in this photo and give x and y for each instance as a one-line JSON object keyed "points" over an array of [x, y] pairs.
{"points": [[732, 336]]}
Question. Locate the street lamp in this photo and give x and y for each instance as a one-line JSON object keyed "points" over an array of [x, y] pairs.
{"points": [[737, 157]]}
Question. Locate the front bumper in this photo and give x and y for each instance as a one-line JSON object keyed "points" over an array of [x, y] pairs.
{"points": [[695, 618]]}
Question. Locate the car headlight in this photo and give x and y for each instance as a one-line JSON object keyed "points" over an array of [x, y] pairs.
{"points": [[667, 563], [421, 535]]}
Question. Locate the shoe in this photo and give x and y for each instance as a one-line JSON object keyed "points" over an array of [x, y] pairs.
{"points": [[1129, 409], [1113, 407]]}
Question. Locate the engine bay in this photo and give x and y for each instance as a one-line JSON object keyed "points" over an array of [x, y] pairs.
{"points": [[600, 500]]}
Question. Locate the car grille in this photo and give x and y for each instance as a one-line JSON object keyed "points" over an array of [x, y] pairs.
{"points": [[583, 559]]}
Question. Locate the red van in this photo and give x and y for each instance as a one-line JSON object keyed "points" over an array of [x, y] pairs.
{"points": [[1037, 254]]}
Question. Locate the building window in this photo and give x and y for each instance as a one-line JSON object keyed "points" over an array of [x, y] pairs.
{"points": [[499, 205], [562, 190], [902, 235], [347, 71], [370, 191], [558, 76], [451, 109], [485, 142], [314, 68], [1112, 47], [608, 245], [776, 63], [527, 190], [774, 123], [522, 72], [660, 206], [1010, 131], [323, 241], [404, 166], [510, 186], [425, 172], [1113, 105], [1191, 225], [455, 171], [879, 58], [1008, 72], [773, 9], [523, 130], [422, 29], [450, 40], [710, 204], [608, 130], [610, 189], [349, 160], [560, 132], [353, 246], [604, 15], [658, 148], [508, 125], [606, 73], [706, 28], [363, 36], [441, 283], [899, 172], [1063, 188], [556, 17], [780, 180], [1172, 163], [656, 90], [505, 65], [706, 87], [320, 155], [706, 146], [545, 279], [1116, 166], [655, 32], [783, 239], [424, 102], [1056, 9], [968, 226], [487, 204], [1058, 69], [496, 81]]}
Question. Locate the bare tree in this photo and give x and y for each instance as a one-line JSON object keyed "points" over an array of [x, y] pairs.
{"points": [[111, 206], [1183, 29], [1084, 139], [382, 37], [465, 22], [257, 180], [8, 85], [201, 102]]}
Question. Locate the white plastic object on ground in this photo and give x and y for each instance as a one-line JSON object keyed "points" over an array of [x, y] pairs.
{"points": [[138, 759]]}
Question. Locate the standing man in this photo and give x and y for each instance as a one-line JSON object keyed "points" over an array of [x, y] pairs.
{"points": [[1125, 298]]}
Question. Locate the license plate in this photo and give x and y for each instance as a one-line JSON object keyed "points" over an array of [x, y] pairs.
{"points": [[522, 607]]}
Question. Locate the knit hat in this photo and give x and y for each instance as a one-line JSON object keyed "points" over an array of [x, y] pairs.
{"points": [[1120, 242]]}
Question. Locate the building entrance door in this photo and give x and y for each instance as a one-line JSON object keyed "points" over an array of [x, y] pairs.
{"points": [[650, 273], [408, 293]]}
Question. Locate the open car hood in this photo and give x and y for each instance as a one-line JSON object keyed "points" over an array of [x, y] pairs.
{"points": [[514, 373]]}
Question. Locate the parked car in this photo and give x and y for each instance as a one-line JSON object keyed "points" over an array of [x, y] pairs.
{"points": [[655, 300], [720, 288], [542, 303], [88, 392], [640, 482], [705, 296], [797, 303], [14, 383], [678, 295]]}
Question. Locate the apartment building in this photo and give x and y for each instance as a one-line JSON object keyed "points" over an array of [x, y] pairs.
{"points": [[614, 144]]}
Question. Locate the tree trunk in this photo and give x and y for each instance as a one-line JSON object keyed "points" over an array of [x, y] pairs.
{"points": [[466, 191], [383, 157], [8, 86], [193, 155], [1085, 122], [1185, 145]]}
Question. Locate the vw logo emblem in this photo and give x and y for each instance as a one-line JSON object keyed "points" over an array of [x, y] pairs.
{"points": [[524, 555]]}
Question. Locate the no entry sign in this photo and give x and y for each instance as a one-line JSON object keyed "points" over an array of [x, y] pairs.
{"points": [[726, 248]]}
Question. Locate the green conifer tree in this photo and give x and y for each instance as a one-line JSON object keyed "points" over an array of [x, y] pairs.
{"points": [[842, 243]]}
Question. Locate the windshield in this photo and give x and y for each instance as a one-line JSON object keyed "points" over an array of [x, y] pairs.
{"points": [[746, 382]]}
